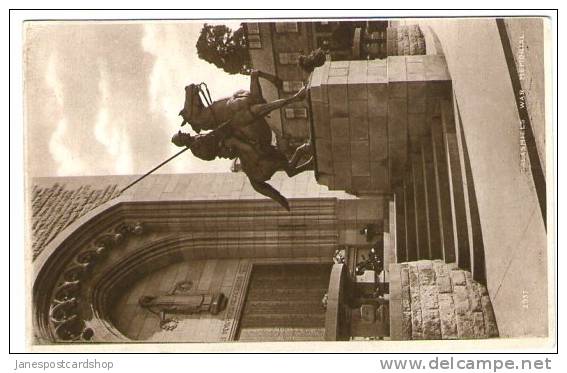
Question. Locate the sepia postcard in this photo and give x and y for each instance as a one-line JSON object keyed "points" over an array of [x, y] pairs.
{"points": [[368, 182]]}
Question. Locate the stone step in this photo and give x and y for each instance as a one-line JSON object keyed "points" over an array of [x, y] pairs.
{"points": [[476, 242], [410, 220], [422, 235], [457, 189], [400, 211], [431, 206], [443, 191]]}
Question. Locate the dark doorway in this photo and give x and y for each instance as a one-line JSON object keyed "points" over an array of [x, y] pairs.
{"points": [[284, 303]]}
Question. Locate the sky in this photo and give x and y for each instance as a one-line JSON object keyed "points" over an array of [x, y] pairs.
{"points": [[103, 98]]}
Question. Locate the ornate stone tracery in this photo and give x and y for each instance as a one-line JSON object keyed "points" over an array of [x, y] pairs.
{"points": [[65, 316]]}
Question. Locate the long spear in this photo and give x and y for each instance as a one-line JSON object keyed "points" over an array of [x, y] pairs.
{"points": [[220, 128], [153, 169]]}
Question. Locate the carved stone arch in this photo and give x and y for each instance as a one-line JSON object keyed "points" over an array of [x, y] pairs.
{"points": [[82, 269]]}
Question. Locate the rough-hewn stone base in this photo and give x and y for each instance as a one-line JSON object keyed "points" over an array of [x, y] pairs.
{"points": [[405, 41], [435, 300]]}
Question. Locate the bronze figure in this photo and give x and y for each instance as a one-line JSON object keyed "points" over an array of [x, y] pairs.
{"points": [[238, 129]]}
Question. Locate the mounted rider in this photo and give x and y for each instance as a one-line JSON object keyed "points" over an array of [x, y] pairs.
{"points": [[239, 129]]}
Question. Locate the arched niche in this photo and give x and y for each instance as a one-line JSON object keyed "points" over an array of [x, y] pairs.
{"points": [[79, 275]]}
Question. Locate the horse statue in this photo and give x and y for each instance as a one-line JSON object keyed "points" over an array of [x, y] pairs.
{"points": [[239, 129], [245, 109], [259, 161]]}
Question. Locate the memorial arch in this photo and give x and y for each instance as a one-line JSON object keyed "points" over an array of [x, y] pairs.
{"points": [[89, 280]]}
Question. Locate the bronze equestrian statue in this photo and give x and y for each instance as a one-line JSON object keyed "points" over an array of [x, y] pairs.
{"points": [[259, 161], [245, 109], [239, 129]]}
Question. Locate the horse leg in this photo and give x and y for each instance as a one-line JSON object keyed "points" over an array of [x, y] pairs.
{"points": [[261, 110], [271, 78], [261, 74], [255, 87], [291, 171]]}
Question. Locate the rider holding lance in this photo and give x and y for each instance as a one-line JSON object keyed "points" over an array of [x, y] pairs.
{"points": [[238, 129]]}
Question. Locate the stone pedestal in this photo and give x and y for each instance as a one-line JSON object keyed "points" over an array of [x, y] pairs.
{"points": [[435, 300], [367, 116]]}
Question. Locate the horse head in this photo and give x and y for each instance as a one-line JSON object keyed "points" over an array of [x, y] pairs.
{"points": [[192, 107]]}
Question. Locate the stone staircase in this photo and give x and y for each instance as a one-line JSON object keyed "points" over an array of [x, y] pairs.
{"points": [[433, 241], [391, 129], [434, 203]]}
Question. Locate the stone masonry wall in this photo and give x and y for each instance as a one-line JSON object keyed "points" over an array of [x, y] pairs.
{"points": [[435, 300], [56, 202], [56, 206]]}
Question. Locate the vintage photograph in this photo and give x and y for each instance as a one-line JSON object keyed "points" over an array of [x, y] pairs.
{"points": [[282, 180]]}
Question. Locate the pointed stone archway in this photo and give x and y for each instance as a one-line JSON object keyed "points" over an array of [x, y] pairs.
{"points": [[82, 273]]}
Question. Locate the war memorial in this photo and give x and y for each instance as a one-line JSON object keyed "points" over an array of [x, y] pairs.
{"points": [[387, 209]]}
